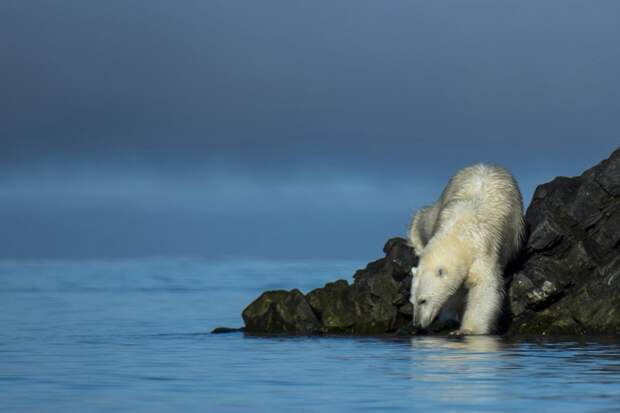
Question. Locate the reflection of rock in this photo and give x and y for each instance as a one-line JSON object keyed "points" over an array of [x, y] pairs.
{"points": [[567, 282]]}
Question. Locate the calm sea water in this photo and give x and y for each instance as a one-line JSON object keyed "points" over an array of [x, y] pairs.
{"points": [[99, 336]]}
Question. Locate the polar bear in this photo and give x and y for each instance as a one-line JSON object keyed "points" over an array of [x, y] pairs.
{"points": [[464, 241]]}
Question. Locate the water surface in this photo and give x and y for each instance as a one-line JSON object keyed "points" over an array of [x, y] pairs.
{"points": [[133, 335]]}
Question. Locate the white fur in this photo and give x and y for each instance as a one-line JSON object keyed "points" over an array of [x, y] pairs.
{"points": [[465, 240]]}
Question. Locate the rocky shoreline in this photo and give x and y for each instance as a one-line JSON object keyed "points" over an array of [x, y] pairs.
{"points": [[566, 282]]}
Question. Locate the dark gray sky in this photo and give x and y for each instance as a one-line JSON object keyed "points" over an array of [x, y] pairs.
{"points": [[283, 128]]}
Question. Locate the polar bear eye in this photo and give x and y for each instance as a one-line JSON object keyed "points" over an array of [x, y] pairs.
{"points": [[440, 272]]}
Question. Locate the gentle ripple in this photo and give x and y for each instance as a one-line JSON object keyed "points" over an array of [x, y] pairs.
{"points": [[133, 335]]}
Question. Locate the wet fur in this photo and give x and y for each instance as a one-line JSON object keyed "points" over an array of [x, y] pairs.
{"points": [[472, 232]]}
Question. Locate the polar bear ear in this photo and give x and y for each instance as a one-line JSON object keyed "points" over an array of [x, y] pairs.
{"points": [[414, 270]]}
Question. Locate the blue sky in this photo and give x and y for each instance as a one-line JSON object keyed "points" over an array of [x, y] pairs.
{"points": [[283, 129]]}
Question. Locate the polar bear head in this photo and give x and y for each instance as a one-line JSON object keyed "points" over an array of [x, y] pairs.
{"points": [[441, 271]]}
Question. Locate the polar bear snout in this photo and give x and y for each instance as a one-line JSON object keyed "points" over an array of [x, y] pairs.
{"points": [[423, 314]]}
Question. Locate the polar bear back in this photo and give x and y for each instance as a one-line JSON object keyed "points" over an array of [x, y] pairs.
{"points": [[491, 196]]}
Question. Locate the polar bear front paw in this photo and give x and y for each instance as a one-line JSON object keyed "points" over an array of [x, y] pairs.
{"points": [[462, 332]]}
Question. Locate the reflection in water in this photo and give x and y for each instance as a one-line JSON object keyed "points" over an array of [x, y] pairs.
{"points": [[467, 344], [479, 371], [458, 370]]}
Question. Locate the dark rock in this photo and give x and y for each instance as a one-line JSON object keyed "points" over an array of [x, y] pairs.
{"points": [[377, 302], [225, 330], [281, 312], [407, 330], [569, 282], [400, 258], [335, 306]]}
